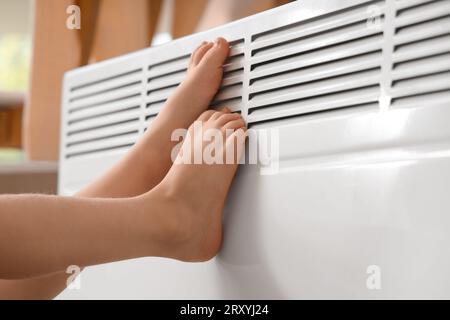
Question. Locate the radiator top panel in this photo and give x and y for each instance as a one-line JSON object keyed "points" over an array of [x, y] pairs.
{"points": [[367, 54]]}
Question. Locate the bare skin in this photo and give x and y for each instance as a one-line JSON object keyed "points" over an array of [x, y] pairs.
{"points": [[150, 157], [205, 68], [179, 219]]}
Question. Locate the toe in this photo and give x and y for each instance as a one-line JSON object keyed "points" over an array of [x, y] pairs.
{"points": [[235, 146], [234, 124], [224, 109], [191, 61], [205, 116], [216, 56], [226, 118], [200, 52], [216, 115]]}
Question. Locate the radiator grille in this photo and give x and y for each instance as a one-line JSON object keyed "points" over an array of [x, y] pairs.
{"points": [[275, 70], [421, 69], [103, 114]]}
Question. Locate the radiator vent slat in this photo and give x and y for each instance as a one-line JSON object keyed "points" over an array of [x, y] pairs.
{"points": [[342, 36], [229, 92], [421, 51], [104, 109], [167, 80], [109, 142], [316, 72], [237, 47], [98, 101], [167, 67], [97, 116], [424, 30], [233, 77], [425, 99], [104, 120], [424, 12], [296, 61], [103, 83], [102, 88], [328, 102], [96, 152], [402, 4], [421, 67], [316, 88], [315, 25], [103, 132], [424, 84]]}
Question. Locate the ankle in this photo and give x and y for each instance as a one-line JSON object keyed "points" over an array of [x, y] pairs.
{"points": [[181, 233], [198, 237], [166, 221]]}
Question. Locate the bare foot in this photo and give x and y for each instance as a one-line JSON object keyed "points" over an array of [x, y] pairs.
{"points": [[195, 93], [204, 77], [194, 194], [151, 156], [147, 163]]}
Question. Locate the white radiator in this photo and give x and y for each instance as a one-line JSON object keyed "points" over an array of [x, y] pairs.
{"points": [[360, 207]]}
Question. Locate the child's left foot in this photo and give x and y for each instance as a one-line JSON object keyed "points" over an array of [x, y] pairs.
{"points": [[195, 93], [188, 203], [147, 163], [192, 97]]}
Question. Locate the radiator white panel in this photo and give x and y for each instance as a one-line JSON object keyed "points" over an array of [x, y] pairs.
{"points": [[363, 115]]}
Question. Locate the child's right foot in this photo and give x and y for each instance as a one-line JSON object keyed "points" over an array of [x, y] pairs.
{"points": [[192, 97], [192, 196], [196, 91]]}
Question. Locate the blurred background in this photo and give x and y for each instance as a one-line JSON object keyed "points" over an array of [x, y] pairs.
{"points": [[37, 47]]}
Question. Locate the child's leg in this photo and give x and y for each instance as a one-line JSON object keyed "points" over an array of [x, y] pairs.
{"points": [[180, 218], [149, 166], [146, 164], [41, 235]]}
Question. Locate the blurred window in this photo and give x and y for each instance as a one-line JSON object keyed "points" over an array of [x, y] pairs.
{"points": [[15, 51], [15, 44]]}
